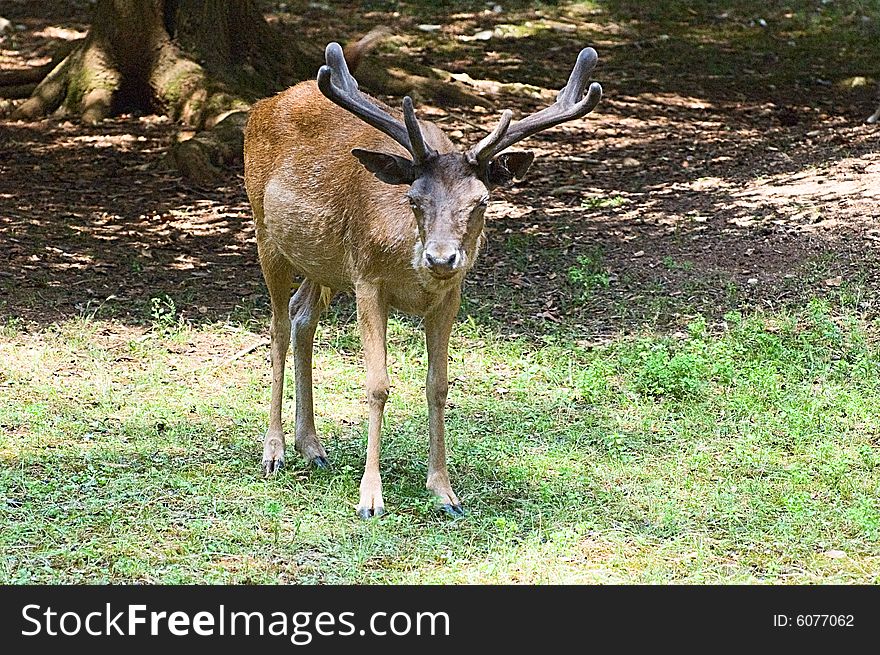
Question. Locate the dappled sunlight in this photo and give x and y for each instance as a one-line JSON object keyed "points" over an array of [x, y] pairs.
{"points": [[851, 184], [661, 185], [664, 369], [674, 100], [55, 32], [118, 141], [122, 225]]}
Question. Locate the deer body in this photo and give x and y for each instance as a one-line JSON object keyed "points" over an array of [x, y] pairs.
{"points": [[348, 195], [365, 229]]}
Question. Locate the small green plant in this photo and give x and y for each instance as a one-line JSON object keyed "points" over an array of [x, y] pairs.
{"points": [[273, 514], [12, 327], [163, 313], [589, 274], [666, 374], [598, 202], [670, 264], [615, 444]]}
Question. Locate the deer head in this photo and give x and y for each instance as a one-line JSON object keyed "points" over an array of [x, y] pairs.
{"points": [[449, 190]]}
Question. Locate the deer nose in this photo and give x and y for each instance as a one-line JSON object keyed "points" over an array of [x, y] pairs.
{"points": [[441, 261]]}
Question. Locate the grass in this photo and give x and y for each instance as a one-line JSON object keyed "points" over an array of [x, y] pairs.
{"points": [[588, 274], [740, 452], [743, 454]]}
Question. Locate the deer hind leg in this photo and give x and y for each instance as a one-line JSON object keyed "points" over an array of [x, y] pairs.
{"points": [[279, 280], [305, 308]]}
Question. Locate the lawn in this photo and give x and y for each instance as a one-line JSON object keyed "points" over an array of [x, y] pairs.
{"points": [[666, 368], [745, 455]]}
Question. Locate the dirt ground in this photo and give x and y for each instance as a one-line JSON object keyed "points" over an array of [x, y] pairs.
{"points": [[688, 190]]}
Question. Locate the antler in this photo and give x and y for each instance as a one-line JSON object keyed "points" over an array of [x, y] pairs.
{"points": [[336, 82], [570, 104]]}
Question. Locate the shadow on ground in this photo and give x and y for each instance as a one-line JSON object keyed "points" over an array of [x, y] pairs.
{"points": [[713, 176]]}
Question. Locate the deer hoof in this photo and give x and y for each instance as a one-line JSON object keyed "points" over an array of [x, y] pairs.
{"points": [[273, 453], [367, 513], [455, 511], [309, 446], [272, 466]]}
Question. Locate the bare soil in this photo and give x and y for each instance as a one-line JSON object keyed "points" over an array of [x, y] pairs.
{"points": [[689, 192]]}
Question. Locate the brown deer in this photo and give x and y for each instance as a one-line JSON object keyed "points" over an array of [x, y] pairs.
{"points": [[348, 195]]}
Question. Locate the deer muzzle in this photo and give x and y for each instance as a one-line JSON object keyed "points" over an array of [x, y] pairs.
{"points": [[443, 260]]}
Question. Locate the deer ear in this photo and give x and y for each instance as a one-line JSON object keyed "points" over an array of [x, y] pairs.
{"points": [[507, 167], [391, 169]]}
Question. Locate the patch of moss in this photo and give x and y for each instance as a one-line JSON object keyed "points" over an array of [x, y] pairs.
{"points": [[82, 79]]}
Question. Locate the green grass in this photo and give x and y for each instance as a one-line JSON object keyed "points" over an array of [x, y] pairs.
{"points": [[743, 453], [588, 274], [602, 202]]}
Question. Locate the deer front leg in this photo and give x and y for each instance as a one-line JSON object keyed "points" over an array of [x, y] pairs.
{"points": [[278, 278], [438, 325], [305, 307], [372, 309]]}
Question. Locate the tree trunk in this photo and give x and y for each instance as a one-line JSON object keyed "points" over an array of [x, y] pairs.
{"points": [[202, 62], [192, 59]]}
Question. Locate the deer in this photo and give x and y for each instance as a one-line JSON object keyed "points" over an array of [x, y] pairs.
{"points": [[875, 117], [350, 195]]}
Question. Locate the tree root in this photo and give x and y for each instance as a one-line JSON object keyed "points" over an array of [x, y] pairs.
{"points": [[201, 158], [47, 95], [112, 70], [188, 93], [19, 77], [34, 75], [83, 83], [429, 85]]}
